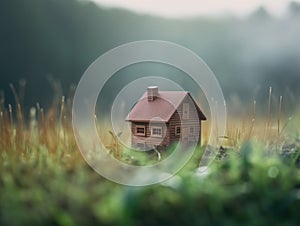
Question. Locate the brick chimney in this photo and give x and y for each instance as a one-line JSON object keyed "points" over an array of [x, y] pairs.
{"points": [[152, 93]]}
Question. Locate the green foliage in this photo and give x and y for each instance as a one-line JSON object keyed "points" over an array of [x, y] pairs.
{"points": [[143, 158], [251, 188]]}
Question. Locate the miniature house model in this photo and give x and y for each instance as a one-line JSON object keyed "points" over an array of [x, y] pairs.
{"points": [[161, 118]]}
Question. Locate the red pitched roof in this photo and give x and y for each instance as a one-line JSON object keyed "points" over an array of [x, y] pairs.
{"points": [[163, 106]]}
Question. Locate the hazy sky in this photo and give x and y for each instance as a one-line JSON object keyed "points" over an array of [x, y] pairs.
{"points": [[182, 8]]}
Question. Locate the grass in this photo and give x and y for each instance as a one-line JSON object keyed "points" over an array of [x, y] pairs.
{"points": [[140, 158], [45, 181]]}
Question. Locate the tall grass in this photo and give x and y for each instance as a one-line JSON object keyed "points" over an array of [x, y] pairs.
{"points": [[269, 129], [51, 129], [48, 131]]}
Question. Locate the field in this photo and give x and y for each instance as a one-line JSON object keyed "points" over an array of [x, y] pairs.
{"points": [[254, 179]]}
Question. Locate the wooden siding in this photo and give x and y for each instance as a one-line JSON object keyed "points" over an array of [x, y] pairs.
{"points": [[148, 140], [169, 131], [191, 121]]}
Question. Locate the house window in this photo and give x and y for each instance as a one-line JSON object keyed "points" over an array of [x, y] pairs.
{"points": [[177, 130], [186, 111], [156, 131], [140, 130]]}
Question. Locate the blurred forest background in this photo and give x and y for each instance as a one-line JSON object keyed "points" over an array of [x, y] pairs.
{"points": [[60, 39]]}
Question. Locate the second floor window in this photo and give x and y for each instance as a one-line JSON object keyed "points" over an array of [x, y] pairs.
{"points": [[186, 111]]}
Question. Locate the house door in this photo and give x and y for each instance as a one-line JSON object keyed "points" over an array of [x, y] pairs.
{"points": [[185, 135]]}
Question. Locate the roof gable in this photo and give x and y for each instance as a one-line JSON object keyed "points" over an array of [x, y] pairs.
{"points": [[164, 106]]}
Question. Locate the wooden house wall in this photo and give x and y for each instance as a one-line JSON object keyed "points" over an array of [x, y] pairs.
{"points": [[192, 121], [148, 139]]}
